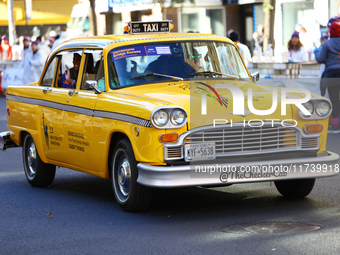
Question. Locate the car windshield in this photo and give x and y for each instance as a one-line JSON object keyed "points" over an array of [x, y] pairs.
{"points": [[148, 63]]}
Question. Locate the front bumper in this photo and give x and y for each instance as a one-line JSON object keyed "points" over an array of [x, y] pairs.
{"points": [[256, 171]]}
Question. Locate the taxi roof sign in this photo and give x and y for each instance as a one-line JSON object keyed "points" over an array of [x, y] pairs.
{"points": [[150, 27]]}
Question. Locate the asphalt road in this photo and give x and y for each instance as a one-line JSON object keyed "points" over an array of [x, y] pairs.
{"points": [[78, 215]]}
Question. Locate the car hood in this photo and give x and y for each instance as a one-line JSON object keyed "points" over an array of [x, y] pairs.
{"points": [[220, 101]]}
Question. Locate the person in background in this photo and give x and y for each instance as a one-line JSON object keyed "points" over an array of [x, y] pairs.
{"points": [[16, 48], [328, 54], [23, 69], [259, 36], [297, 52], [323, 39], [322, 67], [63, 36], [26, 46], [39, 41], [244, 50], [5, 49], [35, 64], [50, 43], [333, 19]]}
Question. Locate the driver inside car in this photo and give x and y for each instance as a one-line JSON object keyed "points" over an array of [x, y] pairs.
{"points": [[173, 64], [124, 75]]}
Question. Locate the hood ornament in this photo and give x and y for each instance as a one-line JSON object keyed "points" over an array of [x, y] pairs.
{"points": [[246, 113]]}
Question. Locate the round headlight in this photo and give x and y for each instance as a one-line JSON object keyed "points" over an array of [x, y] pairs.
{"points": [[160, 118], [322, 108], [177, 117], [310, 108]]}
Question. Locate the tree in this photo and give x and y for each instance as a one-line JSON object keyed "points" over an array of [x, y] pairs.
{"points": [[94, 17], [172, 2], [269, 9]]}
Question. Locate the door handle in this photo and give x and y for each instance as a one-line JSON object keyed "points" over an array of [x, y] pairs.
{"points": [[47, 90], [71, 92]]}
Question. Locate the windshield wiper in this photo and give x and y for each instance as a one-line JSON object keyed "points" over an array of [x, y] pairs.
{"points": [[158, 75], [210, 73]]}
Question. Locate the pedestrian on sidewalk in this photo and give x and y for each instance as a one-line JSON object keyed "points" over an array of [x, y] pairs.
{"points": [[329, 54], [5, 49], [33, 65], [297, 53], [244, 50]]}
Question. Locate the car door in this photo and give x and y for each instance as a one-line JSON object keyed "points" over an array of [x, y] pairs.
{"points": [[53, 100], [78, 117]]}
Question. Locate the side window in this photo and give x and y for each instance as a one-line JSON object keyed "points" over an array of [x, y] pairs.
{"points": [[68, 70], [49, 74], [94, 70]]}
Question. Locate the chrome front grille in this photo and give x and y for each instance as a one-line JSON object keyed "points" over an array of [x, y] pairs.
{"points": [[240, 140], [230, 141]]}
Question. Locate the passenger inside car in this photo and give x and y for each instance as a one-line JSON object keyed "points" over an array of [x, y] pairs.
{"points": [[69, 79]]}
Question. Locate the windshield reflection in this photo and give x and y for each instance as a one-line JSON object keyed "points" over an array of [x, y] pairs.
{"points": [[142, 64]]}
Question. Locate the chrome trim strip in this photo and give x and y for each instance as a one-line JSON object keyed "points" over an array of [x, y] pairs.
{"points": [[25, 100], [82, 110], [122, 117], [181, 176]]}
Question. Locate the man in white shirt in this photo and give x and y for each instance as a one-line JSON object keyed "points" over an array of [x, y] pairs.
{"points": [[244, 50]]}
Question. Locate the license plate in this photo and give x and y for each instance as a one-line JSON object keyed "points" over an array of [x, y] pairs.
{"points": [[199, 151]]}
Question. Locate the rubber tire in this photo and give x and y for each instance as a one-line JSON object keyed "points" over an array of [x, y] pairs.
{"points": [[295, 188], [138, 197], [42, 174]]}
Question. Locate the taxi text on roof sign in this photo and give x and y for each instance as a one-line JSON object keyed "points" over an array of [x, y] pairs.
{"points": [[149, 27]]}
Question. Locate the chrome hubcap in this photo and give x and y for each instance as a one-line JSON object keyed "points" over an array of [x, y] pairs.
{"points": [[124, 177], [31, 159]]}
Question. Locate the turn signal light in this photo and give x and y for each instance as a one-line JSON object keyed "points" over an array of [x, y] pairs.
{"points": [[313, 128], [166, 138]]}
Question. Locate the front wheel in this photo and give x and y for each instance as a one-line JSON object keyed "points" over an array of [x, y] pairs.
{"points": [[130, 195], [295, 188], [38, 173]]}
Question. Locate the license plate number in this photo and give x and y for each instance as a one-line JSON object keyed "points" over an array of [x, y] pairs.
{"points": [[200, 151]]}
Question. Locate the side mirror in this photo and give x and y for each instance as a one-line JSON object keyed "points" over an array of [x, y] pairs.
{"points": [[255, 76], [91, 84]]}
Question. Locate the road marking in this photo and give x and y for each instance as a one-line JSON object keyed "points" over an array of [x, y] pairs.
{"points": [[8, 174]]}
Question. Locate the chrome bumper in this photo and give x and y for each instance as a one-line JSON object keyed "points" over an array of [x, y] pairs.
{"points": [[256, 171], [6, 141]]}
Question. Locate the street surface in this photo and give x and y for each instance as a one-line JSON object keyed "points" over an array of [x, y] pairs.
{"points": [[78, 215]]}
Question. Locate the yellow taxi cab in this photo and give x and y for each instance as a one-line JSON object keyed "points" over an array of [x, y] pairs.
{"points": [[152, 109]]}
